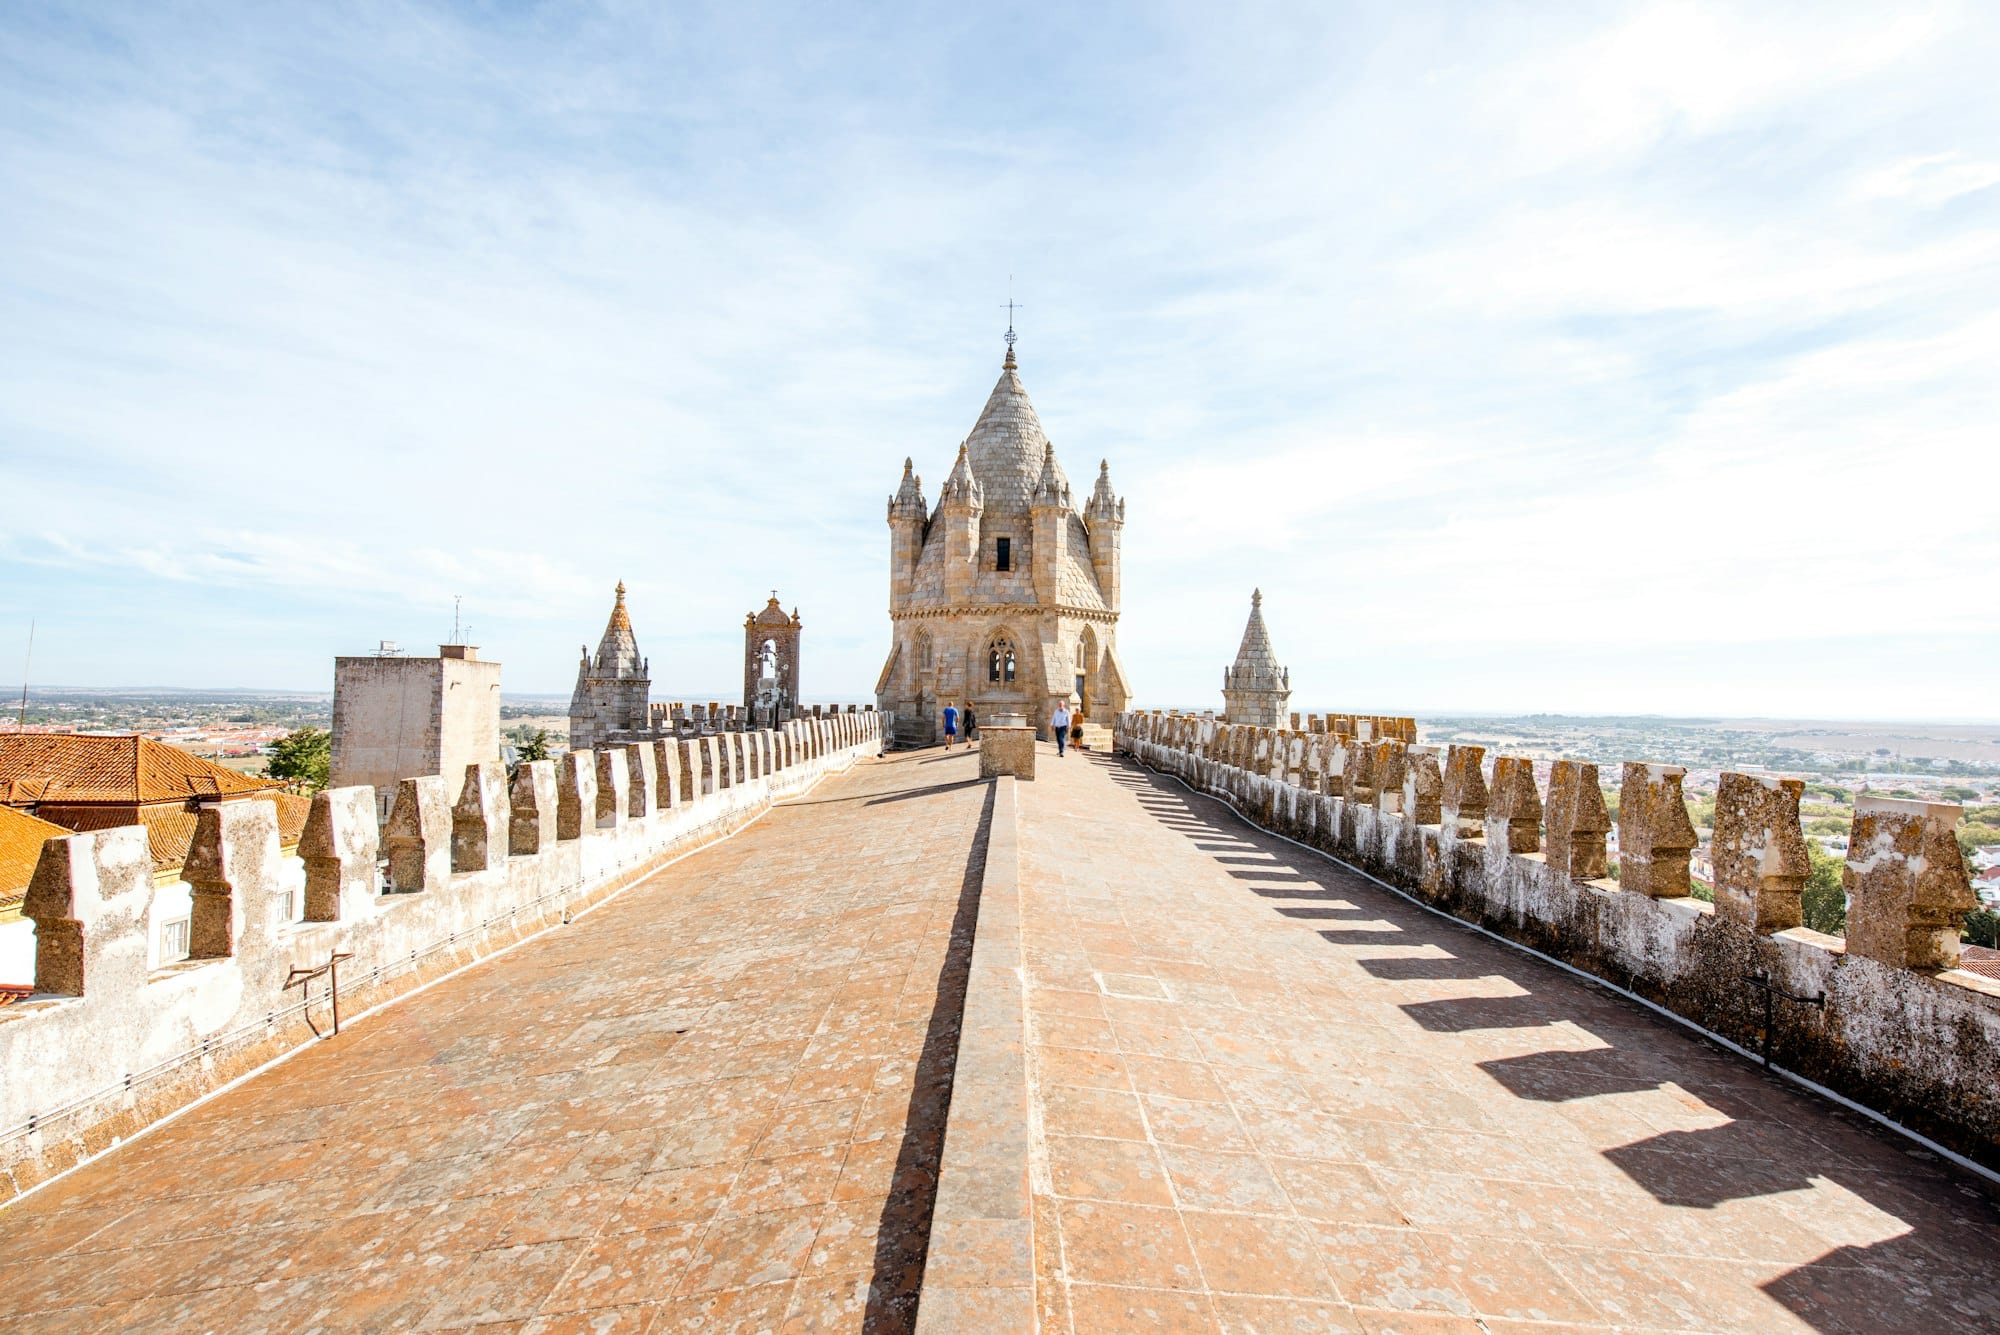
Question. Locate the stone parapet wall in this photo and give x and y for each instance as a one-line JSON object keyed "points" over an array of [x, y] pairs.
{"points": [[1881, 1018], [979, 1269], [680, 718], [109, 1044]]}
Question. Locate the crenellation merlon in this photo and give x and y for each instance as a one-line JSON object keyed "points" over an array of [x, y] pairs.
{"points": [[1881, 1018], [117, 1036]]}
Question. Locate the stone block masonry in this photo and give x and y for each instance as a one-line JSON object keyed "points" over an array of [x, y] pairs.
{"points": [[1882, 1018], [980, 1274], [119, 1033], [1007, 748]]}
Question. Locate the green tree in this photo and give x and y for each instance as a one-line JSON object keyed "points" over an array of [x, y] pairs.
{"points": [[302, 758], [532, 744], [1825, 896], [1982, 928], [1973, 834]]}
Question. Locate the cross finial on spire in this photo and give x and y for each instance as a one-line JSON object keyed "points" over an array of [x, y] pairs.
{"points": [[1010, 308]]}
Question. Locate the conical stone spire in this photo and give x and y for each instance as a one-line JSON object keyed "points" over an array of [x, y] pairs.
{"points": [[1255, 688], [612, 690], [618, 651], [1007, 446]]}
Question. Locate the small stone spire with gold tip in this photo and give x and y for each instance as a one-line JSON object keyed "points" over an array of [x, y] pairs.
{"points": [[620, 618]]}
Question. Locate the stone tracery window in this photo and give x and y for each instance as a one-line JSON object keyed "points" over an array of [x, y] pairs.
{"points": [[1000, 660]]}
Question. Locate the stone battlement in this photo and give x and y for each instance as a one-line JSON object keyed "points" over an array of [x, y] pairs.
{"points": [[1882, 1017], [1361, 727], [121, 1030], [714, 716]]}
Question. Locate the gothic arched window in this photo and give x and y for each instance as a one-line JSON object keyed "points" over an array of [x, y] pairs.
{"points": [[1000, 660], [924, 651], [1079, 654]]}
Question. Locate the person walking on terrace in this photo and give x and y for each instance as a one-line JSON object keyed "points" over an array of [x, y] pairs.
{"points": [[950, 725], [1059, 725], [971, 724]]}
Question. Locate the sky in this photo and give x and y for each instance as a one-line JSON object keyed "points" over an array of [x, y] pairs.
{"points": [[1576, 358]]}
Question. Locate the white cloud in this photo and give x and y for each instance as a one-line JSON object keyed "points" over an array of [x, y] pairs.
{"points": [[1931, 179], [1693, 68], [1522, 331]]}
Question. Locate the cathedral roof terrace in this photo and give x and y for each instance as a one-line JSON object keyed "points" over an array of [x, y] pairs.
{"points": [[1130, 1063]]}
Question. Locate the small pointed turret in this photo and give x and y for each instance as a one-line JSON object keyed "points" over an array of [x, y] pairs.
{"points": [[1105, 507], [962, 488], [612, 690], [1053, 488], [908, 502], [1254, 687], [618, 651]]}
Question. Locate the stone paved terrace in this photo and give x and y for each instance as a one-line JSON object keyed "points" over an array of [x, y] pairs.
{"points": [[1275, 1097], [714, 1103], [1265, 1095]]}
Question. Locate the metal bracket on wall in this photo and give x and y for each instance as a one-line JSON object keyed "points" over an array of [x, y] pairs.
{"points": [[299, 978], [1771, 993]]}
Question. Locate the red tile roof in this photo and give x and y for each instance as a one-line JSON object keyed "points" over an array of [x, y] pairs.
{"points": [[170, 826], [21, 839], [69, 767], [1982, 960]]}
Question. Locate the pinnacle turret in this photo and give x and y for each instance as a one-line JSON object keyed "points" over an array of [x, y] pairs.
{"points": [[1255, 687], [618, 651], [1105, 506], [908, 502], [1053, 487], [962, 488]]}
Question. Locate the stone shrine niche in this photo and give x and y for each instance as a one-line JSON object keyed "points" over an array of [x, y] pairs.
{"points": [[771, 665]]}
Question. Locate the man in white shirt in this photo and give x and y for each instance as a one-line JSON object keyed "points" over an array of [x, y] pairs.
{"points": [[1059, 725]]}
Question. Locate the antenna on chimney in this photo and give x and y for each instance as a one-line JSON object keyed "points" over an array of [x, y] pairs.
{"points": [[21, 724]]}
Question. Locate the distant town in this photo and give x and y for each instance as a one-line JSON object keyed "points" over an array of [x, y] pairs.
{"points": [[1958, 763]]}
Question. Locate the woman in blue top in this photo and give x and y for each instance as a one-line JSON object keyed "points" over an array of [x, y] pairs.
{"points": [[950, 725]]}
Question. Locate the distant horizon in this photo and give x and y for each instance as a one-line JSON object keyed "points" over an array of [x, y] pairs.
{"points": [[729, 697]]}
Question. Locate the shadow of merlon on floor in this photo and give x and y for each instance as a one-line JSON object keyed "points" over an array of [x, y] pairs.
{"points": [[1917, 1281]]}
